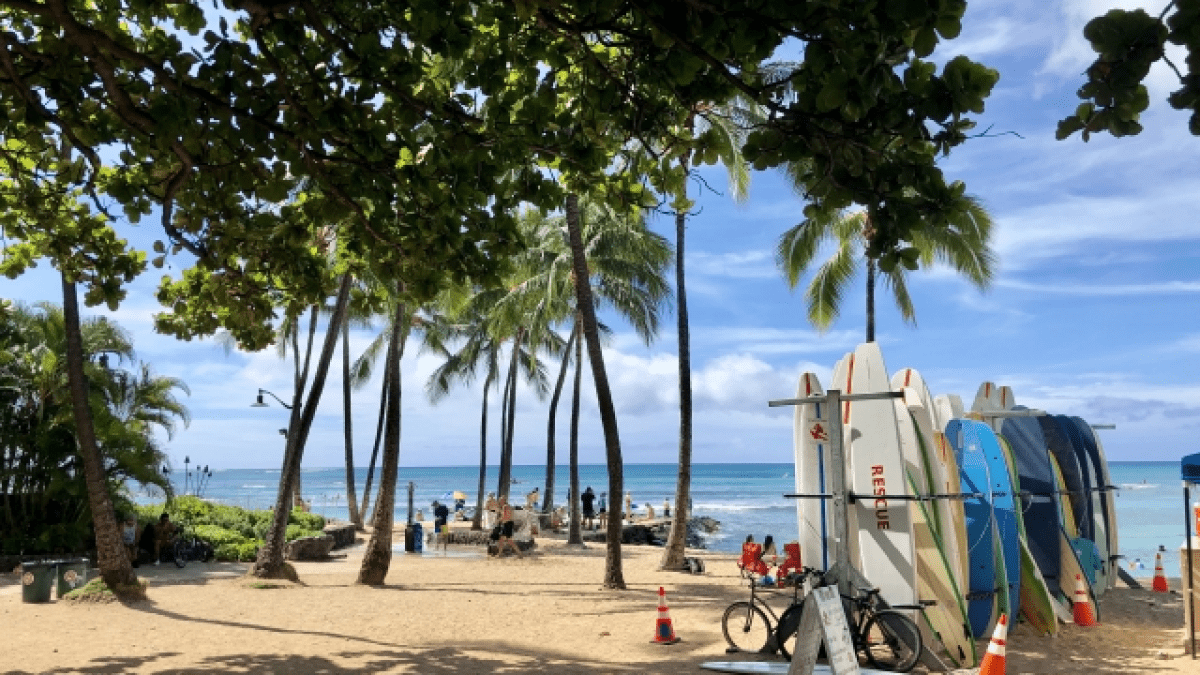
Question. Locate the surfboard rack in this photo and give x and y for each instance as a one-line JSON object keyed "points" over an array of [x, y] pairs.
{"points": [[842, 572]]}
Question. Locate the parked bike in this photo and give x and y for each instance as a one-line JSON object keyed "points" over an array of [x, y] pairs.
{"points": [[188, 547]]}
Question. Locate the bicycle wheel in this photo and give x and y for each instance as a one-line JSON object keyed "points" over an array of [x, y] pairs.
{"points": [[785, 632], [746, 627], [892, 641], [180, 553]]}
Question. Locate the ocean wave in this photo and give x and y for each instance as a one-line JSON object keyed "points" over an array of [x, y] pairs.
{"points": [[737, 508], [1138, 486], [258, 487]]}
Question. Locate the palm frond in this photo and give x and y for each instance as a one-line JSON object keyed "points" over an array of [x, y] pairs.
{"points": [[829, 285]]}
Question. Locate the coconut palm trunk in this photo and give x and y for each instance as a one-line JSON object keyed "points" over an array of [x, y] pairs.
{"points": [[270, 563], [347, 427], [548, 500], [574, 530], [477, 521], [871, 299], [115, 567], [379, 427], [677, 541], [378, 555], [613, 576], [509, 421]]}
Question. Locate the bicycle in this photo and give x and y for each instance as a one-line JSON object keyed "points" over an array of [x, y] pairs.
{"points": [[746, 626], [886, 637], [190, 547]]}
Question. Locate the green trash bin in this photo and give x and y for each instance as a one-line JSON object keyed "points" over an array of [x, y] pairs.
{"points": [[72, 574], [37, 578]]}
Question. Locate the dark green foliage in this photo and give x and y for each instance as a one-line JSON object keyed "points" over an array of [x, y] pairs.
{"points": [[43, 497], [1127, 44], [234, 532]]}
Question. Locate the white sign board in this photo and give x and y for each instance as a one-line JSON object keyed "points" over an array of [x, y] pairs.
{"points": [[824, 620]]}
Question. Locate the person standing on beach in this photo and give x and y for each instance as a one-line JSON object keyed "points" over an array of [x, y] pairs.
{"points": [[490, 508], [506, 530], [589, 512], [628, 515]]}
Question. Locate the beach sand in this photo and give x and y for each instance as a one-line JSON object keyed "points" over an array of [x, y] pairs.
{"points": [[464, 613]]}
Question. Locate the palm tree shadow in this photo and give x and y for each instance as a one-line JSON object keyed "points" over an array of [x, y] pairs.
{"points": [[150, 608]]}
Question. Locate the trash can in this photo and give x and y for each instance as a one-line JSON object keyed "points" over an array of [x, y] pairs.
{"points": [[418, 538], [37, 578], [409, 546], [72, 574]]}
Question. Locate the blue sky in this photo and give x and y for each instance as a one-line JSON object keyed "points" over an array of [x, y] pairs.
{"points": [[1091, 314]]}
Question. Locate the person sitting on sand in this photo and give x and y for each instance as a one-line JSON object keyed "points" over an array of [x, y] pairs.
{"points": [[769, 552], [588, 498], [506, 530], [163, 534]]}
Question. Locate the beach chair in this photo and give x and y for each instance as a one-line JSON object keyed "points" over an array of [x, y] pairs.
{"points": [[751, 562]]}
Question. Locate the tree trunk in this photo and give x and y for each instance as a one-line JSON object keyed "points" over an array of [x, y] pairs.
{"points": [[506, 452], [112, 559], [870, 300], [270, 563], [298, 389], [379, 425], [477, 521], [347, 409], [677, 541], [548, 500], [613, 577], [574, 530], [378, 556]]}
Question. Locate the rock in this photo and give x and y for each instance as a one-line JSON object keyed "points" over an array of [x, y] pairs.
{"points": [[343, 534], [309, 548]]}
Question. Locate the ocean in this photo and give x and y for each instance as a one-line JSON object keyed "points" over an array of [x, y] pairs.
{"points": [[745, 498]]}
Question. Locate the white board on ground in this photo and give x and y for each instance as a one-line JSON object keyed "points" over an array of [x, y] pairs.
{"points": [[770, 667]]}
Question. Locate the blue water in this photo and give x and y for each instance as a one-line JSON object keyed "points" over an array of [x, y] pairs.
{"points": [[745, 498]]}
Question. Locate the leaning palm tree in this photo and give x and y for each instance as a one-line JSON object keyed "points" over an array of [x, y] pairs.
{"points": [[627, 267], [962, 244]]}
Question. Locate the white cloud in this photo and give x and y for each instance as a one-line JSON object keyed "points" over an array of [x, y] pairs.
{"points": [[754, 264], [1169, 287]]}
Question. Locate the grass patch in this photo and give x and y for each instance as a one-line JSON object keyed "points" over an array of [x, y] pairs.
{"points": [[98, 592]]}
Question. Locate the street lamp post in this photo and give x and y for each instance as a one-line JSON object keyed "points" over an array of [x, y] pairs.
{"points": [[260, 403]]}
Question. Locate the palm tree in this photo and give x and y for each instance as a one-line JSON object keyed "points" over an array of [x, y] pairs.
{"points": [[721, 129], [628, 265], [477, 346], [115, 566], [963, 244], [580, 248]]}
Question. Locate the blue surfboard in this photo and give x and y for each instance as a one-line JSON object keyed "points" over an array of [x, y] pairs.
{"points": [[1003, 507], [1087, 529], [1040, 503], [981, 539], [1059, 445], [1089, 558]]}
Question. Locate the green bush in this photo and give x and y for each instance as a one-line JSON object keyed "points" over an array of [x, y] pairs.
{"points": [[235, 533]]}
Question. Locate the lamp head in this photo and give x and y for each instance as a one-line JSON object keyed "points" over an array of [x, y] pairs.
{"points": [[258, 402]]}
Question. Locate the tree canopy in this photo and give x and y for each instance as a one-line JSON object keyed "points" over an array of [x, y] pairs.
{"points": [[420, 126], [1127, 44]]}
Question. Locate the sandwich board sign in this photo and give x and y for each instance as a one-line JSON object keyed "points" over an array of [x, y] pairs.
{"points": [[824, 620]]}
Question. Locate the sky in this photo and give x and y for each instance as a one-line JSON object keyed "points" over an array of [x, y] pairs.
{"points": [[1091, 312]]}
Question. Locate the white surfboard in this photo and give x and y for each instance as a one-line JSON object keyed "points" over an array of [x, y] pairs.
{"points": [[811, 447], [841, 381], [944, 625], [887, 552], [946, 407], [988, 399], [1114, 561]]}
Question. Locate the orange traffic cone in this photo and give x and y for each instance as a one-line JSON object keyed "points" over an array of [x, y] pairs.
{"points": [[1082, 605], [664, 632], [993, 660], [1160, 579]]}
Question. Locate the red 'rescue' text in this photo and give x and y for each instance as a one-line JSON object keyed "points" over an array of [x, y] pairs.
{"points": [[879, 482]]}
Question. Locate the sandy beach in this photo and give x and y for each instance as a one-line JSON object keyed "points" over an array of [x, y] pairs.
{"points": [[461, 612]]}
